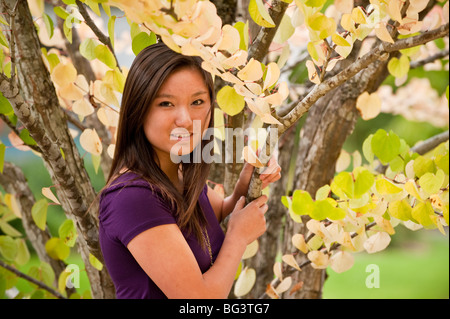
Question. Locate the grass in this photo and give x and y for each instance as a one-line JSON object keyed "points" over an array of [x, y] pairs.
{"points": [[411, 269]]}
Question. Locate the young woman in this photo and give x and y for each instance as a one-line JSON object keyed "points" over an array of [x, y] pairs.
{"points": [[159, 221]]}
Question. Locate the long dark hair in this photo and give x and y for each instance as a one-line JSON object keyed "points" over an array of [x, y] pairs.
{"points": [[133, 151]]}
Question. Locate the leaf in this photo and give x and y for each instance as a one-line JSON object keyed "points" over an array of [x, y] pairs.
{"points": [[82, 107], [368, 105], [341, 261], [386, 146], [245, 282], [272, 75], [39, 213], [423, 165], [56, 249], [251, 72], [7, 229], [64, 74], [312, 72], [377, 242], [23, 254], [90, 141], [259, 14], [363, 183], [401, 210], [432, 183], [48, 24], [399, 67], [318, 259], [302, 203], [2, 156], [298, 240], [315, 3], [251, 250], [8, 247], [68, 233], [103, 53], [290, 260], [422, 213], [385, 187], [87, 49], [321, 23], [251, 157], [344, 181], [230, 101], [284, 285], [141, 41], [95, 262], [382, 33], [321, 209], [111, 26]]}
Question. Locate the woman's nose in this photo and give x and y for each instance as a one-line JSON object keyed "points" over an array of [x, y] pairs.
{"points": [[183, 117]]}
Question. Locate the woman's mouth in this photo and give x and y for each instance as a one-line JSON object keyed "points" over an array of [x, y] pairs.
{"points": [[181, 136]]}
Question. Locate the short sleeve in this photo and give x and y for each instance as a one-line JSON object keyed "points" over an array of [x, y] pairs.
{"points": [[128, 211]]}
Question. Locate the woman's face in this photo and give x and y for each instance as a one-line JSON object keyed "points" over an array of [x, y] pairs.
{"points": [[179, 114]]}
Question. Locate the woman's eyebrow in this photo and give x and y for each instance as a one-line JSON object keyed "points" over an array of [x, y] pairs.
{"points": [[166, 95]]}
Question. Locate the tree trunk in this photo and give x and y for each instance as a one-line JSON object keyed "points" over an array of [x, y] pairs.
{"points": [[36, 105]]}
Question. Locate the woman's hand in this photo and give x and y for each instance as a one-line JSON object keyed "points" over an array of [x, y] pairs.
{"points": [[248, 223]]}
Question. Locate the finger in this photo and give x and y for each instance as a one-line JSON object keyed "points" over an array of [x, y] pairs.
{"points": [[240, 203]]}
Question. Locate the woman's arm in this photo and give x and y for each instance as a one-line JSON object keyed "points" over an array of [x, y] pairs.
{"points": [[166, 257]]}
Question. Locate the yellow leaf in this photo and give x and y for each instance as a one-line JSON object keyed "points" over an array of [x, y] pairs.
{"points": [[341, 261], [358, 16], [230, 101], [108, 117], [284, 285], [251, 250], [319, 260], [312, 72], [64, 74], [251, 72], [71, 92], [230, 39], [298, 240], [251, 158], [272, 75], [82, 107], [245, 282], [11, 202], [339, 40], [394, 10], [290, 260], [347, 22], [47, 192], [377, 242], [90, 141], [259, 14], [399, 67], [382, 33], [368, 105], [278, 270], [111, 149], [238, 59], [343, 161]]}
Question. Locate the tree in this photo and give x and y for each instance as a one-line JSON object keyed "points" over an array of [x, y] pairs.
{"points": [[349, 49]]}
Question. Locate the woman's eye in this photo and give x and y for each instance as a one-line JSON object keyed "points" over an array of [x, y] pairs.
{"points": [[198, 102], [165, 104]]}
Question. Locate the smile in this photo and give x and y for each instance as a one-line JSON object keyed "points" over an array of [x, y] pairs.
{"points": [[180, 137]]}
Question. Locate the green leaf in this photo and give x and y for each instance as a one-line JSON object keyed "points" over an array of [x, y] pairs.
{"points": [[401, 210], [399, 67], [67, 31], [385, 187], [5, 105], [57, 249], [96, 159], [8, 229], [229, 101], [367, 149], [364, 181], [23, 254], [315, 3], [259, 14], [321, 209], [60, 12], [26, 138], [442, 162], [422, 212], [323, 192], [111, 26], [95, 262], [8, 247], [39, 213], [2, 156], [243, 33], [87, 49], [344, 180], [423, 165], [141, 41], [68, 233], [302, 203], [43, 273], [48, 24], [103, 53], [432, 183], [386, 146], [320, 22]]}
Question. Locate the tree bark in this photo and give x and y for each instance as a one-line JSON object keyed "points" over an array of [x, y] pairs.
{"points": [[36, 105]]}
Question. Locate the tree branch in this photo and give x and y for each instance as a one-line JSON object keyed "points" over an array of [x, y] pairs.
{"points": [[101, 37], [32, 280], [430, 59]]}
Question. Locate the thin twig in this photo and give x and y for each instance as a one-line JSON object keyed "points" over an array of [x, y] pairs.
{"points": [[430, 59], [32, 280]]}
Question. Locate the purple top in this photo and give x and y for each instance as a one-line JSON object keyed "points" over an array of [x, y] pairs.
{"points": [[127, 208]]}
